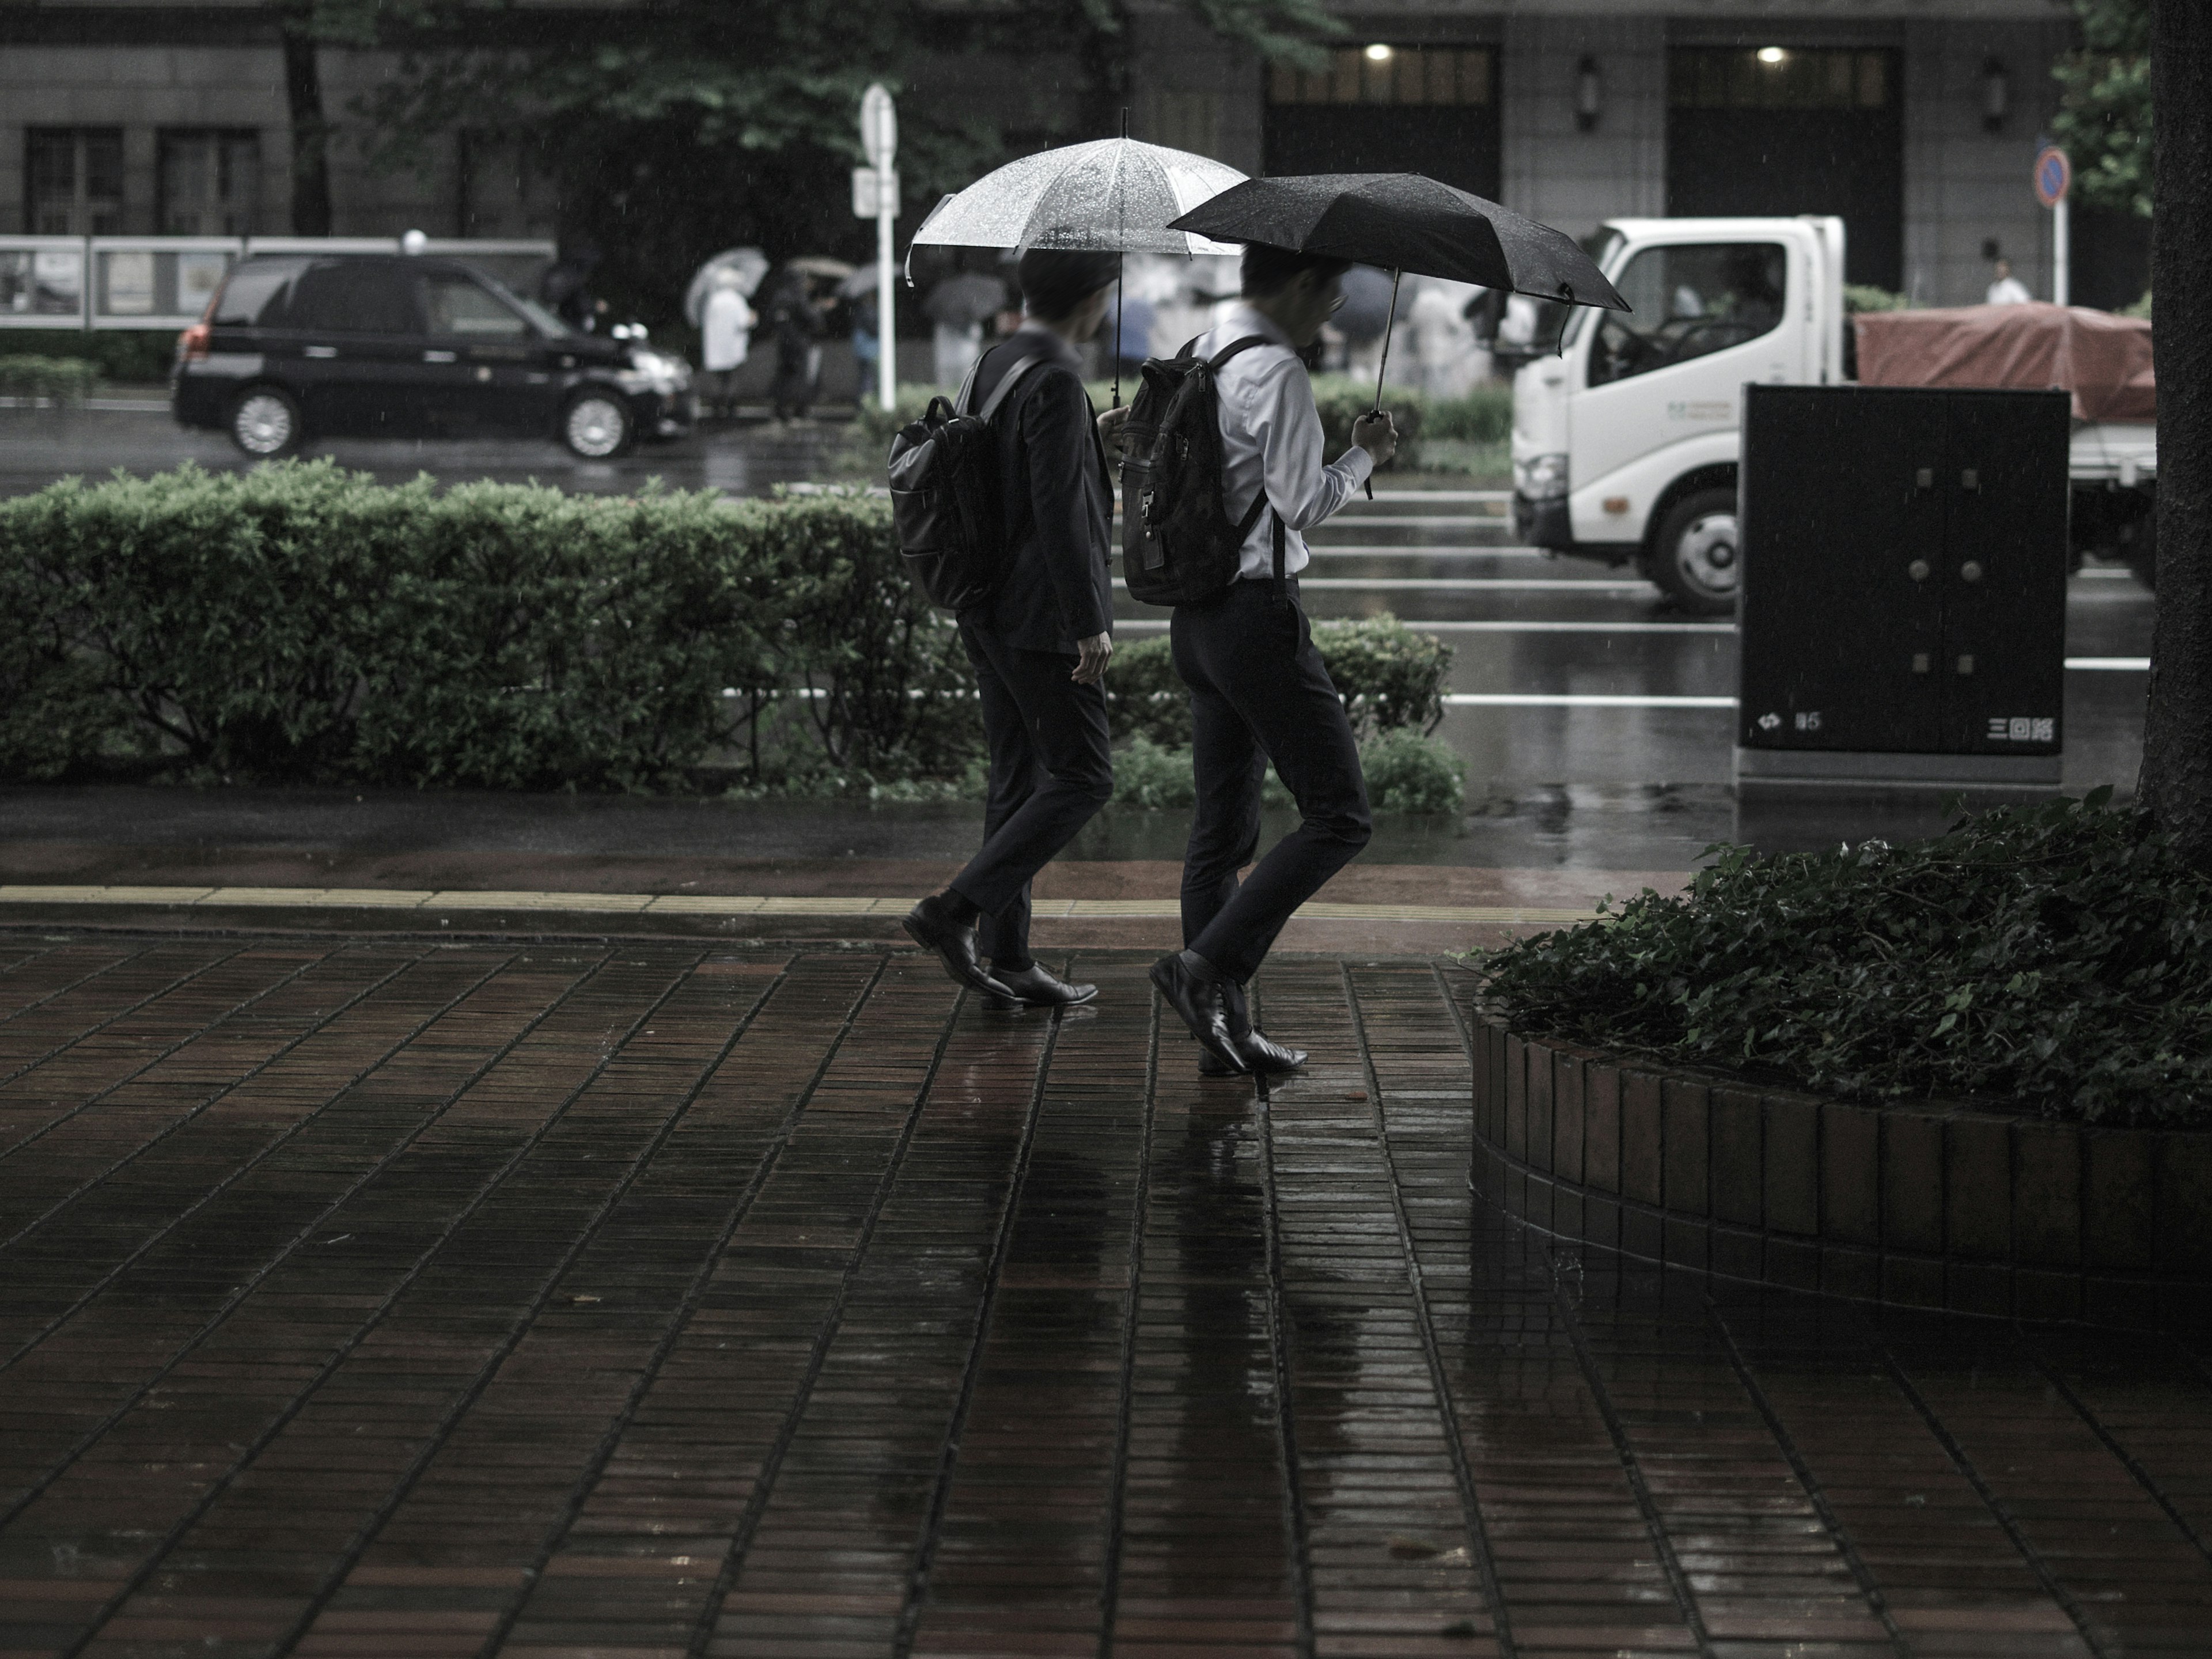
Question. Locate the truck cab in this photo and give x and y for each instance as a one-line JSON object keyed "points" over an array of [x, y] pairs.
{"points": [[1624, 443]]}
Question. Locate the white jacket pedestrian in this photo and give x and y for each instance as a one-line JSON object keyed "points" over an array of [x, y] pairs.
{"points": [[725, 330]]}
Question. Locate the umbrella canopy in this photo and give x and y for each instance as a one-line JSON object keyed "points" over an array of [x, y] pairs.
{"points": [[1403, 222], [750, 263], [1112, 196], [862, 281], [816, 264], [966, 299]]}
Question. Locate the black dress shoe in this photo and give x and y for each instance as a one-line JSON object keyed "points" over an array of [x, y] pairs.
{"points": [[1260, 1055], [930, 927], [1035, 987], [1195, 991]]}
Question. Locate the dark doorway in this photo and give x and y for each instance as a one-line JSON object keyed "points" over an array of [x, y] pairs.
{"points": [[1386, 108], [1763, 131]]}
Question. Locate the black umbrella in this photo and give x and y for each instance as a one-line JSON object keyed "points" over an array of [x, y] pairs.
{"points": [[1403, 222]]}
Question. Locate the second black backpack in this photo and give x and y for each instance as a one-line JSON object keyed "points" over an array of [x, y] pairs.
{"points": [[946, 504], [1179, 545]]}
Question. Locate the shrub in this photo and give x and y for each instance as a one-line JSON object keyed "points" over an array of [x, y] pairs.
{"points": [[1409, 772], [64, 380], [300, 622], [2059, 956], [1148, 776], [141, 355], [1485, 415], [1389, 675]]}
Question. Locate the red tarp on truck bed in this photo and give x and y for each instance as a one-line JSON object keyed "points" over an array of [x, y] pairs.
{"points": [[2103, 360]]}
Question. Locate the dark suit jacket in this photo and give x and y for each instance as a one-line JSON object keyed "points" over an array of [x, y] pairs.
{"points": [[1059, 499]]}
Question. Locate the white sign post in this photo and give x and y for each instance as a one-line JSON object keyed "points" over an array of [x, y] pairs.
{"points": [[2054, 175], [879, 139]]}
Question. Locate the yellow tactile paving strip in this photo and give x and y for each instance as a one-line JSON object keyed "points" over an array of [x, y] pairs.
{"points": [[710, 904]]}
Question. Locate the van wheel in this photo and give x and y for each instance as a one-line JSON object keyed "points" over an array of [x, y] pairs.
{"points": [[1696, 559], [597, 425], [264, 422]]}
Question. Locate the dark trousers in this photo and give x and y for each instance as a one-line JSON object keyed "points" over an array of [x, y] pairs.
{"points": [[1052, 768], [1259, 693]]}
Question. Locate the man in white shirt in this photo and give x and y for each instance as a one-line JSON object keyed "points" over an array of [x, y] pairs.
{"points": [[2007, 290], [1258, 690]]}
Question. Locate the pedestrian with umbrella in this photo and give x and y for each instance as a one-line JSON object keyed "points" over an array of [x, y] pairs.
{"points": [[1040, 638], [725, 327], [1259, 692], [957, 309]]}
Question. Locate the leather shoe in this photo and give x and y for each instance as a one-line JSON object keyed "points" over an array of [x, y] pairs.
{"points": [[1194, 990], [1260, 1055], [1035, 987], [928, 926]]}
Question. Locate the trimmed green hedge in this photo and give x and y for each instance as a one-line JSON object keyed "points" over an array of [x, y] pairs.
{"points": [[300, 622], [139, 354], [1389, 675], [2059, 957], [64, 379], [303, 623]]}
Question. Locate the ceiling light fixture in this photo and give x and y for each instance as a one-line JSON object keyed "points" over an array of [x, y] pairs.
{"points": [[1772, 54], [1379, 53]]}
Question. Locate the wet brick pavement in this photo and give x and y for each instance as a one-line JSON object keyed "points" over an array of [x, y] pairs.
{"points": [[602, 1300]]}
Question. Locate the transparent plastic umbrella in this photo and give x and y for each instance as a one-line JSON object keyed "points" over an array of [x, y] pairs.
{"points": [[1110, 196], [750, 264]]}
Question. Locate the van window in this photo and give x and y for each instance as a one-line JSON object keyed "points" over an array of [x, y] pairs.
{"points": [[1690, 301], [248, 293], [455, 305], [352, 297]]}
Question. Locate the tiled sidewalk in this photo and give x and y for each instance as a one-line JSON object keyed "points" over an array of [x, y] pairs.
{"points": [[605, 1300]]}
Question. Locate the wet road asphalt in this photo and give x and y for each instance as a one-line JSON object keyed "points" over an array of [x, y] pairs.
{"points": [[1598, 721]]}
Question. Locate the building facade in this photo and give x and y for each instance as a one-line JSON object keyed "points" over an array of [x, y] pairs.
{"points": [[1916, 119]]}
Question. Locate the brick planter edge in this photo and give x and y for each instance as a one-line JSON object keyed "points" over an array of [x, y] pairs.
{"points": [[1917, 1205]]}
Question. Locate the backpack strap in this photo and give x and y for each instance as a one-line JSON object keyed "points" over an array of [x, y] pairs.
{"points": [[1233, 347], [961, 401]]}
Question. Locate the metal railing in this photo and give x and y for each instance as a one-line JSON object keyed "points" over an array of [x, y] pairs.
{"points": [[85, 282]]}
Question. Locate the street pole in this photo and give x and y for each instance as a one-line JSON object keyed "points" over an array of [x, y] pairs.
{"points": [[2061, 248], [879, 138]]}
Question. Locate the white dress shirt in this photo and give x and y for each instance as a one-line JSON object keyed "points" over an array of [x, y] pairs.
{"points": [[1271, 430], [2008, 291]]}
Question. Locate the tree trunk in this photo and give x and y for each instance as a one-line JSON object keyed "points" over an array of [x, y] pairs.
{"points": [[311, 133], [2175, 784]]}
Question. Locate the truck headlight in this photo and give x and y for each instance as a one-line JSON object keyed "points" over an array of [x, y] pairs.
{"points": [[1541, 478]]}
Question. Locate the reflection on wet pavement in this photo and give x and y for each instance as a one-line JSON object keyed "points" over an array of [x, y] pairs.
{"points": [[577, 1297]]}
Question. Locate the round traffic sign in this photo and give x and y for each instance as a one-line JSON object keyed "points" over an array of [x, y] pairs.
{"points": [[878, 128], [2053, 173]]}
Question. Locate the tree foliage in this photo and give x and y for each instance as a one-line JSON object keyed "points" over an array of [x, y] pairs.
{"points": [[2105, 105], [694, 124]]}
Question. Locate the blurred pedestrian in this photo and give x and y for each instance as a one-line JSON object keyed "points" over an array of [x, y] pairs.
{"points": [[867, 343], [1040, 642], [565, 288], [726, 327], [1133, 338], [794, 322], [2007, 290]]}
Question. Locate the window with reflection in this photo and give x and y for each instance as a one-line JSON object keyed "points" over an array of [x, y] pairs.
{"points": [[1690, 301]]}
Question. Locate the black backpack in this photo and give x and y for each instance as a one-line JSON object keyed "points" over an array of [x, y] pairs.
{"points": [[946, 502], [1179, 545]]}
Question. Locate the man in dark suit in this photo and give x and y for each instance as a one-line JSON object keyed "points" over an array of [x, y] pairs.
{"points": [[1040, 645]]}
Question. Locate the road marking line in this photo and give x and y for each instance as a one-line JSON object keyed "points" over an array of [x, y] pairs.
{"points": [[1465, 584], [735, 904], [1579, 700], [2109, 664]]}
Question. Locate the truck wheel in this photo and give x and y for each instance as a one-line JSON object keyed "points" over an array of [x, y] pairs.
{"points": [[264, 422], [597, 425], [1694, 559]]}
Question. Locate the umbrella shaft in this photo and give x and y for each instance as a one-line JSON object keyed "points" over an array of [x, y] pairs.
{"points": [[1389, 323]]}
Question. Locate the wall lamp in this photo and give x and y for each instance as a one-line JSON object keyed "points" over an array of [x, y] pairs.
{"points": [[1589, 95], [1997, 95]]}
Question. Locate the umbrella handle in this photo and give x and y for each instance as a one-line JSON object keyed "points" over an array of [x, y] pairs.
{"points": [[1389, 323]]}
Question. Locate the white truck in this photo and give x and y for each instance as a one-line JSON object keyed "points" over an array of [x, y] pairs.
{"points": [[1625, 443]]}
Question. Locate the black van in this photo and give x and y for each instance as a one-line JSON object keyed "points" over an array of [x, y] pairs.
{"points": [[394, 346]]}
